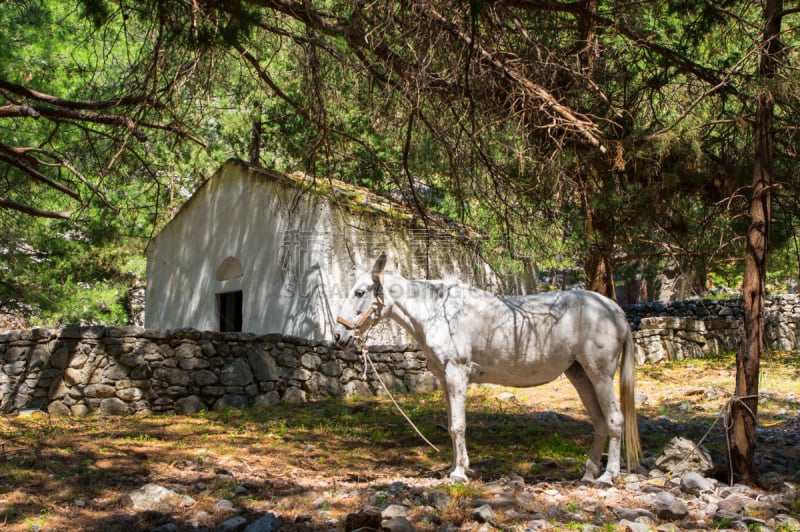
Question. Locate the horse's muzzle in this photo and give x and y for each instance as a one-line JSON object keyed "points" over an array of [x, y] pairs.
{"points": [[344, 338]]}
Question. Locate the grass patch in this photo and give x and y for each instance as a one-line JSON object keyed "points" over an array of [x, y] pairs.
{"points": [[541, 434]]}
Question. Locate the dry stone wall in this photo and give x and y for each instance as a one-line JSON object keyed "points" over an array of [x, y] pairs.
{"points": [[702, 328], [130, 370]]}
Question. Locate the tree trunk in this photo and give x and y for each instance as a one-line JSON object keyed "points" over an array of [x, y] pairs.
{"points": [[600, 273], [598, 218], [744, 409], [599, 227]]}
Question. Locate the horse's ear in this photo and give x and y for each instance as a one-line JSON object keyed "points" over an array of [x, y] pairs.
{"points": [[378, 267]]}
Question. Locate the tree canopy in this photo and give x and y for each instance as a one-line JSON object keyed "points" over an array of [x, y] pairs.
{"points": [[584, 133]]}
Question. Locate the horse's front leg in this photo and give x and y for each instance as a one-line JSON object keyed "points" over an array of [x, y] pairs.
{"points": [[456, 380]]}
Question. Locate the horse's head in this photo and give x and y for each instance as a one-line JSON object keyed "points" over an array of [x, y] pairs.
{"points": [[363, 306]]}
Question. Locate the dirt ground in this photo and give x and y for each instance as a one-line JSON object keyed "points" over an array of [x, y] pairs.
{"points": [[73, 474]]}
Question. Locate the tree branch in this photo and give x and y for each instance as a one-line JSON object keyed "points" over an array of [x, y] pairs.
{"points": [[40, 177], [684, 63], [567, 117], [6, 203], [32, 94]]}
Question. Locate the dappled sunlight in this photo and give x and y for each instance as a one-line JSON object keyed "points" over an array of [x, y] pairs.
{"points": [[74, 472]]}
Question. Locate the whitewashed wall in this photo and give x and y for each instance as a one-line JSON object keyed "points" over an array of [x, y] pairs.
{"points": [[292, 252]]}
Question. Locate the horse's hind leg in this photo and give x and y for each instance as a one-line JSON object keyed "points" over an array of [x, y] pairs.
{"points": [[606, 398], [585, 388], [608, 402]]}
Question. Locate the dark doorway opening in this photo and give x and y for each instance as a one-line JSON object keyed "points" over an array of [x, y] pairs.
{"points": [[229, 305]]}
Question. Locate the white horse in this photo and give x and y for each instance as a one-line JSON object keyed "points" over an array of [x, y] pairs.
{"points": [[469, 335]]}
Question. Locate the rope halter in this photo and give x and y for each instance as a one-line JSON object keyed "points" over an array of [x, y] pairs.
{"points": [[367, 318]]}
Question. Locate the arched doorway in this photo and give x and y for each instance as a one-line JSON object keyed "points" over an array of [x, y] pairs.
{"points": [[230, 303]]}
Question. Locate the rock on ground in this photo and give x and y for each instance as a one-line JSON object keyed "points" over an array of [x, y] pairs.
{"points": [[637, 502]]}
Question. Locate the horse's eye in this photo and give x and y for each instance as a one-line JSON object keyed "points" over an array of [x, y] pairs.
{"points": [[359, 293]]}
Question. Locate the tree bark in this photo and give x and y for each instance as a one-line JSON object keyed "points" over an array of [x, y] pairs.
{"points": [[598, 216], [598, 220], [600, 274], [744, 408], [598, 265]]}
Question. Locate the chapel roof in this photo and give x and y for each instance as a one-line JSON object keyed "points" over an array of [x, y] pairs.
{"points": [[352, 198]]}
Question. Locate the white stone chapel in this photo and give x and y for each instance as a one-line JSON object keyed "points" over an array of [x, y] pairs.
{"points": [[257, 251]]}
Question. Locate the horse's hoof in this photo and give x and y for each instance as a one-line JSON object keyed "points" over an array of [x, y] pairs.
{"points": [[456, 477], [604, 480]]}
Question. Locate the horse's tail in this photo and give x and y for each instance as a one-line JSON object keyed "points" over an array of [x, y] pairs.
{"points": [[627, 388]]}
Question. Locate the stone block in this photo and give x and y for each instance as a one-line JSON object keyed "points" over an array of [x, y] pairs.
{"points": [[174, 377], [421, 382], [61, 356], [114, 406], [188, 350], [141, 372], [57, 408], [310, 361], [80, 410], [332, 368], [191, 364], [267, 400], [14, 369], [58, 389], [230, 401], [236, 374], [83, 333], [294, 396], [205, 377], [298, 374], [263, 365], [99, 390], [124, 331], [130, 394], [133, 359], [116, 371], [288, 359], [348, 356], [207, 348], [189, 405]]}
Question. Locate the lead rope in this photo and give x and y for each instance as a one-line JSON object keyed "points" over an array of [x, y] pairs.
{"points": [[728, 424], [725, 415], [367, 359]]}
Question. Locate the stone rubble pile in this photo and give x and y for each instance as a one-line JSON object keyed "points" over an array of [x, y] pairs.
{"points": [[645, 501]]}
